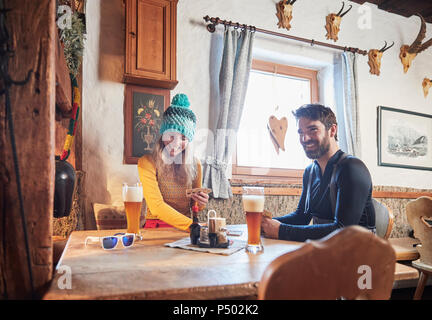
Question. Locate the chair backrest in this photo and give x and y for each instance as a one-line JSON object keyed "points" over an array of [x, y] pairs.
{"points": [[383, 216], [383, 219], [350, 263], [419, 213]]}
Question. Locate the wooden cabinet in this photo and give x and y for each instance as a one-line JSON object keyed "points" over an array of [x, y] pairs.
{"points": [[151, 27]]}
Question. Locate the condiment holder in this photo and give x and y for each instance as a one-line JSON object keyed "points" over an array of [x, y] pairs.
{"points": [[214, 223], [214, 235]]}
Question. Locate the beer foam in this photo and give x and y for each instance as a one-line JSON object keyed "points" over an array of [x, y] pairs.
{"points": [[132, 194], [253, 203]]}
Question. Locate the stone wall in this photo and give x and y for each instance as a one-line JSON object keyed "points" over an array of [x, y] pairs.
{"points": [[401, 228], [279, 205]]}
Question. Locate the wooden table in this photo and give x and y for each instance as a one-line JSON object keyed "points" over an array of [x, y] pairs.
{"points": [[405, 251], [404, 272], [150, 270]]}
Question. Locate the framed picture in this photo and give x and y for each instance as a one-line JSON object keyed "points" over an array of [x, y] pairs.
{"points": [[404, 139], [143, 110]]}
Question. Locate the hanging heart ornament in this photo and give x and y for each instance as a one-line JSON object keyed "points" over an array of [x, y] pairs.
{"points": [[277, 129]]}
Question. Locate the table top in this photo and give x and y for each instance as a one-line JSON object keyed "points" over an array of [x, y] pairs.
{"points": [[150, 270], [404, 248]]}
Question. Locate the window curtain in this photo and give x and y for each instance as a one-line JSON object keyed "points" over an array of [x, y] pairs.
{"points": [[347, 112], [233, 80]]}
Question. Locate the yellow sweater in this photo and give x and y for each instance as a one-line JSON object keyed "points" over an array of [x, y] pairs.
{"points": [[165, 198]]}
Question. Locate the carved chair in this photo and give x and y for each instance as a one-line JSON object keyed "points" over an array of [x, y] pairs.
{"points": [[350, 263], [419, 215]]}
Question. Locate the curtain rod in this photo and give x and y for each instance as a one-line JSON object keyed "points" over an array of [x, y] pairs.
{"points": [[211, 27]]}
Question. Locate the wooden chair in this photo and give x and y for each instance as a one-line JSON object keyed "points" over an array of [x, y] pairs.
{"points": [[418, 212], [383, 219], [419, 215], [350, 263]]}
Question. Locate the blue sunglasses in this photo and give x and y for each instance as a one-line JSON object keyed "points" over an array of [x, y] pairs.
{"points": [[111, 242]]}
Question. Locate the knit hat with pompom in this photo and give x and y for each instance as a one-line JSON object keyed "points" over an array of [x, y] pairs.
{"points": [[179, 117]]}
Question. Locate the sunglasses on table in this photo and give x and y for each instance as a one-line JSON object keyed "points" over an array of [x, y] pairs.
{"points": [[111, 242]]}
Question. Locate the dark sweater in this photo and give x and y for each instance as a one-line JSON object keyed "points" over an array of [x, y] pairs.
{"points": [[353, 201]]}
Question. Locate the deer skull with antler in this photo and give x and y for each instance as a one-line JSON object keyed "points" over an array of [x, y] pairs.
{"points": [[284, 13], [375, 56], [427, 84], [408, 53], [333, 21]]}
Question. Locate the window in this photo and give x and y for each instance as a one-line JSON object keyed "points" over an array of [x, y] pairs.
{"points": [[273, 89]]}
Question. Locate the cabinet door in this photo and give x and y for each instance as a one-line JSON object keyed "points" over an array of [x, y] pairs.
{"points": [[151, 42]]}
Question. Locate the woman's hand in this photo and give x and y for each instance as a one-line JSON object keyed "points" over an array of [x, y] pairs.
{"points": [[201, 198], [270, 228]]}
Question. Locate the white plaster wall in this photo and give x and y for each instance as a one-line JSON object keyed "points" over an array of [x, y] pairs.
{"points": [[103, 95], [103, 66], [392, 88]]}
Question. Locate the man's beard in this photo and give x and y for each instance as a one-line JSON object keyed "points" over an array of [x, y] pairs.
{"points": [[322, 149]]}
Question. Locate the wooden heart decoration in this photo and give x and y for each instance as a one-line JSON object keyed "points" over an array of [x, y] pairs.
{"points": [[277, 129], [427, 84]]}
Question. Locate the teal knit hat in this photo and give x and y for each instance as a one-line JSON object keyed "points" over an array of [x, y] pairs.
{"points": [[179, 117]]}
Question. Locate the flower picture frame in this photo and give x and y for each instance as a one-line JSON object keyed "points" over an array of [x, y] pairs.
{"points": [[143, 110]]}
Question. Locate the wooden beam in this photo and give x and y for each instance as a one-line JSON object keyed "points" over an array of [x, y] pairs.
{"points": [[400, 194], [402, 7], [31, 26], [272, 191], [387, 5]]}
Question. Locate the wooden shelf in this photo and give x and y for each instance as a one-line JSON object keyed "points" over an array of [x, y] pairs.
{"points": [[164, 84]]}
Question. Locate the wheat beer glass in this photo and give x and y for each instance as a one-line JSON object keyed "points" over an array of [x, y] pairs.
{"points": [[253, 206], [132, 198]]}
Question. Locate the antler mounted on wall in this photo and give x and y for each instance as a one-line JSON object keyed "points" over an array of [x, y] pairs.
{"points": [[333, 21], [427, 84], [284, 13], [408, 53], [375, 56]]}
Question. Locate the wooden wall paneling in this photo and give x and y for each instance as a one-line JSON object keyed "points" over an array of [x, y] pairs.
{"points": [[31, 26], [287, 191]]}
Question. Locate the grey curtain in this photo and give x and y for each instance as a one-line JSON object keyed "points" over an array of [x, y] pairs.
{"points": [[347, 103], [233, 80]]}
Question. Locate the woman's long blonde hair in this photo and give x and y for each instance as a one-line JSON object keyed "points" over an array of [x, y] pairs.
{"points": [[183, 172]]}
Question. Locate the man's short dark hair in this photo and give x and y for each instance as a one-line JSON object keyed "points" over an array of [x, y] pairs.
{"points": [[319, 112]]}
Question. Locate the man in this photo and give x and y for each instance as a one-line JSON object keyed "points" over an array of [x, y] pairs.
{"points": [[317, 128]]}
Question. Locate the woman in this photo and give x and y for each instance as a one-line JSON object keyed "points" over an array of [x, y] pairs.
{"points": [[171, 168]]}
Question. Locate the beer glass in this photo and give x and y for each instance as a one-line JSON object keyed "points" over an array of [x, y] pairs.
{"points": [[253, 206], [132, 197]]}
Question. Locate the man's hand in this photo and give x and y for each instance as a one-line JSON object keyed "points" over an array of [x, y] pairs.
{"points": [[270, 227]]}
